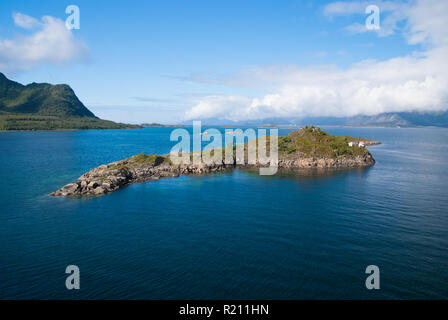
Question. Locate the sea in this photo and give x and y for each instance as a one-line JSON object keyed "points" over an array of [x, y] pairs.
{"points": [[230, 235]]}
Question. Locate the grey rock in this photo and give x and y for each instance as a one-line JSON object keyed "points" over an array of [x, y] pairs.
{"points": [[99, 190], [113, 176], [93, 184]]}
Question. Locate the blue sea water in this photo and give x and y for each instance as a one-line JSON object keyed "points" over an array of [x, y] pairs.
{"points": [[229, 235]]}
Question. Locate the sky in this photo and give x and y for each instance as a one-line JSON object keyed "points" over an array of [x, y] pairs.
{"points": [[177, 61]]}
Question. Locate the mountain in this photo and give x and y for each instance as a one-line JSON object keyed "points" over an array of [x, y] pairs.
{"points": [[402, 119], [42, 106], [41, 98], [393, 119]]}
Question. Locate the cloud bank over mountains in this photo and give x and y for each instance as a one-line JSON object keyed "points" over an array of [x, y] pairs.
{"points": [[416, 82], [44, 41]]}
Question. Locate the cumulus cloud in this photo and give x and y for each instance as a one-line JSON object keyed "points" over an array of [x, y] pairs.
{"points": [[49, 42], [417, 82], [24, 21]]}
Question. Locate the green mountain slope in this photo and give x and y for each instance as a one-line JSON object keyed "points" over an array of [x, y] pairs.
{"points": [[42, 106]]}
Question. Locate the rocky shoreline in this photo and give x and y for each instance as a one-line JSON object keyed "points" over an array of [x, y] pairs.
{"points": [[308, 147], [114, 176]]}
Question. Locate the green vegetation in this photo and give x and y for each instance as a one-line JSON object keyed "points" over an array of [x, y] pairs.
{"points": [[152, 158], [41, 99], [286, 145], [313, 142], [308, 142], [42, 106], [36, 122], [120, 166]]}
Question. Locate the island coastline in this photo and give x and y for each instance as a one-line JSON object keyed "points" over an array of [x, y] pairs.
{"points": [[293, 155]]}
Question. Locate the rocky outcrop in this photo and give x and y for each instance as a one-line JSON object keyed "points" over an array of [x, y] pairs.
{"points": [[343, 162], [111, 177], [309, 147]]}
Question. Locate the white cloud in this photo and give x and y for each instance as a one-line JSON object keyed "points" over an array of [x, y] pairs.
{"points": [[418, 82], [427, 23], [24, 21], [50, 42], [229, 107]]}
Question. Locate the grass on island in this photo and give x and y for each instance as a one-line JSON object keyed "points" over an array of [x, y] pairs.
{"points": [[152, 159], [139, 159], [311, 141]]}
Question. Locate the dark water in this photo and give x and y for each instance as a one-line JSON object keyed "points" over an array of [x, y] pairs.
{"points": [[230, 235]]}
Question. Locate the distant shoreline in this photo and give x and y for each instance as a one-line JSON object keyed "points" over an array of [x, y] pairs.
{"points": [[221, 126], [61, 130], [159, 125]]}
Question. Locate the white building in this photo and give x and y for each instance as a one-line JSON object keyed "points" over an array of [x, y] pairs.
{"points": [[359, 143]]}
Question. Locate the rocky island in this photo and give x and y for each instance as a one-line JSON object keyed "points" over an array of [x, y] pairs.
{"points": [[309, 147]]}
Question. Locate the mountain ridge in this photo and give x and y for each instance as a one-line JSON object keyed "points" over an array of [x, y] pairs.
{"points": [[390, 119], [44, 106], [41, 98]]}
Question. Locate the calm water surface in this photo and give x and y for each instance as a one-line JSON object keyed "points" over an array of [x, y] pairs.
{"points": [[229, 235]]}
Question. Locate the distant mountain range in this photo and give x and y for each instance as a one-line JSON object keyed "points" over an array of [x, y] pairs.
{"points": [[402, 119], [394, 119], [42, 106]]}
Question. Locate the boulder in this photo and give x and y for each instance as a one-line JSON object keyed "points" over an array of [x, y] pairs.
{"points": [[93, 184], [69, 188], [99, 190]]}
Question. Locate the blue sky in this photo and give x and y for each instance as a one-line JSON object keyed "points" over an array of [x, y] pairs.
{"points": [[149, 61]]}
